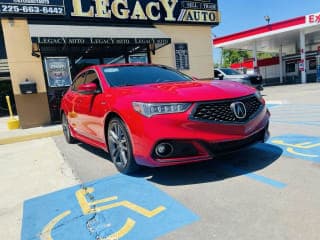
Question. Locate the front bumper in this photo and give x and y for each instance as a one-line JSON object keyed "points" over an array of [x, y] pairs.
{"points": [[192, 140]]}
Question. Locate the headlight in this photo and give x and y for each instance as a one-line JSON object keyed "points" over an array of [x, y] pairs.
{"points": [[259, 96], [151, 109]]}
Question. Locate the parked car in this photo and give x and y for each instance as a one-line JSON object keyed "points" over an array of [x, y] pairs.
{"points": [[155, 116], [254, 80]]}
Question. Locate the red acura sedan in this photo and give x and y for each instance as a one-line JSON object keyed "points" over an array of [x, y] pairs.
{"points": [[155, 116]]}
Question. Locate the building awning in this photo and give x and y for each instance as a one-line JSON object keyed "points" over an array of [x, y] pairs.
{"points": [[97, 35]]}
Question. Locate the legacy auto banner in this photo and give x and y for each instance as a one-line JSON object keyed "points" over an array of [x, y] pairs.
{"points": [[143, 11]]}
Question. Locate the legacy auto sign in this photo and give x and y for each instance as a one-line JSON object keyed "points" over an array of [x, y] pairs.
{"points": [[149, 11]]}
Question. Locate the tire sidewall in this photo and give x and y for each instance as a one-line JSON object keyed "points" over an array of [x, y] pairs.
{"points": [[131, 165], [67, 134]]}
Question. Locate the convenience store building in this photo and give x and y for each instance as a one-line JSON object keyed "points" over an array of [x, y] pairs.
{"points": [[294, 42]]}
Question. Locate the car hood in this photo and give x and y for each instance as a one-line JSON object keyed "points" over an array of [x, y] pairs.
{"points": [[184, 92]]}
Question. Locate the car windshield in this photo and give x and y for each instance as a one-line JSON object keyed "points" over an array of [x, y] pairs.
{"points": [[118, 76], [230, 71]]}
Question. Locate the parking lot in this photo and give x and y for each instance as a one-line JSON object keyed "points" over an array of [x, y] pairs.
{"points": [[269, 191]]}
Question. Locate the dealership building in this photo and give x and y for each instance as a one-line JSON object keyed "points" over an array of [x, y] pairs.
{"points": [[295, 44], [45, 43]]}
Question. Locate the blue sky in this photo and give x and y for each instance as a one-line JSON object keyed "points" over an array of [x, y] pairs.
{"points": [[239, 15]]}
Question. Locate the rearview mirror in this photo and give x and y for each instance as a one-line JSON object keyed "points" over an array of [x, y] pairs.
{"points": [[88, 88]]}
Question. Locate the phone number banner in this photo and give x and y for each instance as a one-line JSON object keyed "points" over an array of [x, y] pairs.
{"points": [[117, 11], [33, 7]]}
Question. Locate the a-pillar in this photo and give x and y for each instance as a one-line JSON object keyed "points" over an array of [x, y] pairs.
{"points": [[302, 64]]}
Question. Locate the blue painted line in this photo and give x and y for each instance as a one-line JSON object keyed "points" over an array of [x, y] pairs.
{"points": [[266, 180], [298, 123], [256, 177], [271, 105], [76, 222], [293, 106]]}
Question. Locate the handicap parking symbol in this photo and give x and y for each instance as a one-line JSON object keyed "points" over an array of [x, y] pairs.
{"points": [[299, 146], [118, 207]]}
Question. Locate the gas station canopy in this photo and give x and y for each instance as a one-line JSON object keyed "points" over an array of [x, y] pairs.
{"points": [[271, 37]]}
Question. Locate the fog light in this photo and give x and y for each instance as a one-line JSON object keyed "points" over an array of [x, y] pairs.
{"points": [[164, 150]]}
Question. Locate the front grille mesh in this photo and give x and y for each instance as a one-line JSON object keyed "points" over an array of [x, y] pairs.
{"points": [[220, 111]]}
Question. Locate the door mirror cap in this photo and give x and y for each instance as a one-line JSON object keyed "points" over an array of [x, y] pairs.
{"points": [[88, 88], [220, 76]]}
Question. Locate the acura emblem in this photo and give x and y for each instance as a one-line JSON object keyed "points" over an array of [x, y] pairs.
{"points": [[239, 110]]}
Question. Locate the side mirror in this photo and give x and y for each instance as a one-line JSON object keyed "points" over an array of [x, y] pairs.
{"points": [[220, 76], [88, 88]]}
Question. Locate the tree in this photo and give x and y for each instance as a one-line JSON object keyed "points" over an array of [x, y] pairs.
{"points": [[230, 56]]}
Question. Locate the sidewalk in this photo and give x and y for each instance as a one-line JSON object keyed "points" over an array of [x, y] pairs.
{"points": [[20, 135], [29, 169]]}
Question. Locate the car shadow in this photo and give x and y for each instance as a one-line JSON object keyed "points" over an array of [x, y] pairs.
{"points": [[232, 165], [95, 151], [235, 164]]}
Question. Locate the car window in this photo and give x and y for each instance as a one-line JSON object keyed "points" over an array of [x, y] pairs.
{"points": [[138, 75], [77, 82], [216, 73], [230, 71], [92, 77]]}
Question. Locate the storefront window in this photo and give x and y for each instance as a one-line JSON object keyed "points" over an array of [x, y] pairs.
{"points": [[312, 64], [291, 67], [112, 60], [138, 58], [82, 63], [3, 54]]}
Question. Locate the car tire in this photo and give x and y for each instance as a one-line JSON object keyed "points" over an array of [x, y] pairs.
{"points": [[66, 130], [120, 147]]}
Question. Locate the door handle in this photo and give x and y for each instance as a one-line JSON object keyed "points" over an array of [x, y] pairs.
{"points": [[103, 103]]}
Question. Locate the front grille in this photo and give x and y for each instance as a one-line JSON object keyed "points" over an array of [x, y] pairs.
{"points": [[225, 147], [220, 111]]}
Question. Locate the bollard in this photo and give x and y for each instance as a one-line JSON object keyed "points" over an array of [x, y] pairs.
{"points": [[12, 123]]}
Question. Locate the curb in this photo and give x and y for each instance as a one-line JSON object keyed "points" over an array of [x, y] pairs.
{"points": [[29, 137]]}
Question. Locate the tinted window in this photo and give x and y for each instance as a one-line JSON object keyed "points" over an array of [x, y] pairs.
{"points": [[77, 82], [216, 73], [229, 71], [3, 54], [312, 64], [138, 75], [290, 67], [92, 77]]}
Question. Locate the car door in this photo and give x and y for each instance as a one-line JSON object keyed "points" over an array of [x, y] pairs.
{"points": [[71, 99], [91, 109]]}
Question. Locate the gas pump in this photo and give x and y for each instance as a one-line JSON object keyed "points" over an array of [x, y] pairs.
{"points": [[318, 68]]}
